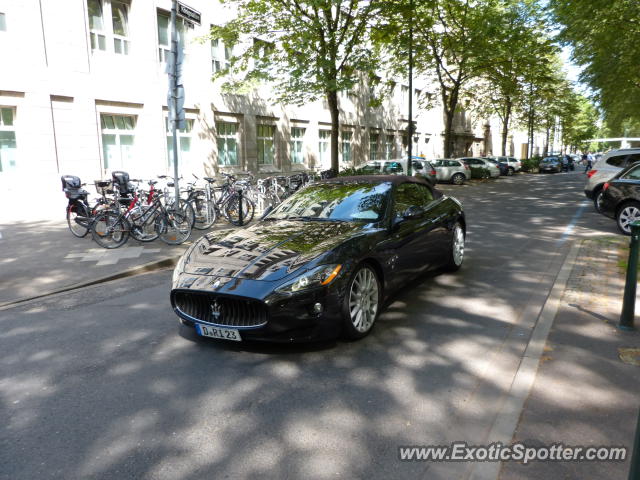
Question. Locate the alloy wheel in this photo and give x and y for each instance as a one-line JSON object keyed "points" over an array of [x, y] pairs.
{"points": [[363, 300], [627, 216], [458, 245]]}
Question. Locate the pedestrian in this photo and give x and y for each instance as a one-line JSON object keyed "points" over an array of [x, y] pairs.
{"points": [[588, 159]]}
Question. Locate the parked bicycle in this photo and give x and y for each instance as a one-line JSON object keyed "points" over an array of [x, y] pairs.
{"points": [[80, 214], [112, 227]]}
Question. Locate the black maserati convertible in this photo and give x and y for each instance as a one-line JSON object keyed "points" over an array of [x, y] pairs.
{"points": [[321, 263]]}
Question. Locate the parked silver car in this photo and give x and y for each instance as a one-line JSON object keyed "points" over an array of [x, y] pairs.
{"points": [[604, 170], [512, 163], [453, 171]]}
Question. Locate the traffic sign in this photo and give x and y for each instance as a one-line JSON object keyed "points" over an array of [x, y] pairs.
{"points": [[188, 13]]}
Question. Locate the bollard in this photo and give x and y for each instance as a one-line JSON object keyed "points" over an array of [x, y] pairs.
{"points": [[629, 301], [240, 219]]}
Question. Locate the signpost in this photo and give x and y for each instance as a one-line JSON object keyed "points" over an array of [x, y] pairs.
{"points": [[176, 90]]}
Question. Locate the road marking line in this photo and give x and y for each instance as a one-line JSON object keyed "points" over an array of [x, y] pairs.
{"points": [[569, 229], [507, 419]]}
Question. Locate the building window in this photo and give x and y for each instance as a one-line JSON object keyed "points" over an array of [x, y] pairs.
{"points": [[184, 144], [227, 143], [120, 22], [388, 147], [373, 146], [8, 147], [297, 152], [3, 22], [164, 35], [117, 140], [118, 28], [324, 156], [346, 146], [220, 55], [266, 135]]}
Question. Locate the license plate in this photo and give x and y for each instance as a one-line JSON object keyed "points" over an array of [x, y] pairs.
{"points": [[217, 332]]}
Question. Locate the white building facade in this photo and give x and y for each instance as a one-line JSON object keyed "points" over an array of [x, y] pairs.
{"points": [[83, 91]]}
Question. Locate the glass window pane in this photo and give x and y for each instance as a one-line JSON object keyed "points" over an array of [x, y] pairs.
{"points": [[163, 29], [102, 42], [232, 151], [126, 149], [108, 121], [117, 45], [119, 122], [110, 152], [8, 150], [119, 14], [3, 22], [95, 15], [7, 116]]}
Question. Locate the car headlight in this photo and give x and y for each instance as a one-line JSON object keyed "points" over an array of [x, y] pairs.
{"points": [[316, 277]]}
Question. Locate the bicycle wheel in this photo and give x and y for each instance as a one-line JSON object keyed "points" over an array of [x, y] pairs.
{"points": [[173, 227], [110, 230], [232, 210], [145, 232], [206, 214], [78, 220]]}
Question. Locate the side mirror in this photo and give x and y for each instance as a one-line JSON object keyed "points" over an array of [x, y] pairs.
{"points": [[413, 211]]}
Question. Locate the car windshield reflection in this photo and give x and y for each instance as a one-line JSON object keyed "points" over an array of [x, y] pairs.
{"points": [[346, 202]]}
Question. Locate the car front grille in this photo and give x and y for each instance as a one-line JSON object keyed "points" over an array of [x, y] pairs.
{"points": [[219, 310]]}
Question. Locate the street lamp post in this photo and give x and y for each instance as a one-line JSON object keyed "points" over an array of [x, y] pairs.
{"points": [[410, 126]]}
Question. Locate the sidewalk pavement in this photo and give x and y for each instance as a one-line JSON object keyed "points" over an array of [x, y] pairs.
{"points": [[39, 257], [587, 383]]}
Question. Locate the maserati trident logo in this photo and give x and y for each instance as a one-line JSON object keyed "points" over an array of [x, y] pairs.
{"points": [[216, 284], [216, 310]]}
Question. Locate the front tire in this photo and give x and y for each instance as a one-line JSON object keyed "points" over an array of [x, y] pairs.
{"points": [[458, 179], [74, 211], [362, 302], [627, 214], [456, 250]]}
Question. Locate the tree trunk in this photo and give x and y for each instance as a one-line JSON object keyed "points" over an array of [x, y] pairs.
{"points": [[505, 126], [448, 134], [546, 142], [332, 100]]}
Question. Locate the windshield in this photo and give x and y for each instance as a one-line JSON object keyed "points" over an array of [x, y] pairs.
{"points": [[348, 202], [549, 159]]}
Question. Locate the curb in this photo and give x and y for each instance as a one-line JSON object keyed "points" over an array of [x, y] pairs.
{"points": [[145, 268], [508, 417]]}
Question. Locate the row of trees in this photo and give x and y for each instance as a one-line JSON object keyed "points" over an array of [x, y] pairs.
{"points": [[490, 57], [604, 36]]}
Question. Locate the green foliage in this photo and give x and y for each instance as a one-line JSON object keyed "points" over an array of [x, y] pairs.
{"points": [[531, 164], [605, 35], [479, 172]]}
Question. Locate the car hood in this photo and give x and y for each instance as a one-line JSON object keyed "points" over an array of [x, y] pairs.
{"points": [[269, 250]]}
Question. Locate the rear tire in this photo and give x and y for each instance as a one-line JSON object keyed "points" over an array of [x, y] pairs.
{"points": [[458, 179], [109, 230], [174, 228], [627, 213], [206, 214], [232, 211], [74, 211], [510, 172]]}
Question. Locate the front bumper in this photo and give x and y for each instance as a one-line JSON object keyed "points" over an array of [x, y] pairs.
{"points": [[290, 318]]}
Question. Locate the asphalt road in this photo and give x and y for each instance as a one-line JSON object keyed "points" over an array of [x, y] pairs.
{"points": [[104, 383]]}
